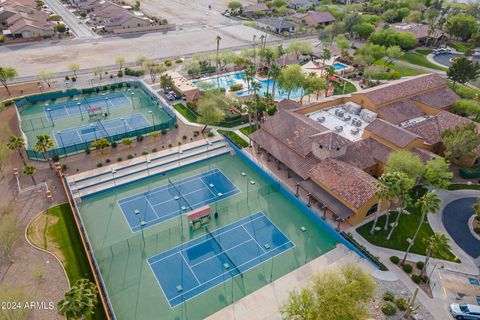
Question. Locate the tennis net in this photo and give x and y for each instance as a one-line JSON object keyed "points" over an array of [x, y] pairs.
{"points": [[221, 248], [179, 193]]}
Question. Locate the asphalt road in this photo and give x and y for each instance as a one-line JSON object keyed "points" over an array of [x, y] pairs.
{"points": [[455, 219], [76, 26]]}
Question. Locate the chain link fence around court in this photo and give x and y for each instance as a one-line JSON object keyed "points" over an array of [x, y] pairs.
{"points": [[41, 123]]}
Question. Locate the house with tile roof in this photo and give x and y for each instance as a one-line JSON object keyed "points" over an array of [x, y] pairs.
{"points": [[346, 141], [255, 9], [314, 18]]}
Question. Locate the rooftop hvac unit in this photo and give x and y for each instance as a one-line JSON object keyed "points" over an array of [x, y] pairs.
{"points": [[339, 112], [321, 119], [339, 128], [347, 117], [353, 108], [354, 131], [356, 122], [368, 115]]}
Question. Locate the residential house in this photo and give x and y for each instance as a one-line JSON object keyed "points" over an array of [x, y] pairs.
{"points": [[22, 20], [276, 25], [336, 149], [255, 10], [313, 18], [421, 32], [303, 4]]}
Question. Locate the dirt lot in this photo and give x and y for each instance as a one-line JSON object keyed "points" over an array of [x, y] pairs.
{"points": [[188, 13]]}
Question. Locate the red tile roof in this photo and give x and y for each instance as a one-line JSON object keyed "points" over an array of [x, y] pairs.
{"points": [[330, 140], [393, 134], [366, 153], [440, 98], [400, 111], [347, 182], [287, 104]]}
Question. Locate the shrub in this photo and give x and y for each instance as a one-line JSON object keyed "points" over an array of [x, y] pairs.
{"points": [[133, 73], [130, 156], [119, 159], [236, 87], [401, 304], [210, 134], [196, 133], [271, 111], [74, 79], [55, 158], [114, 144], [395, 259], [407, 268], [477, 230], [169, 145], [388, 296], [87, 150], [64, 167], [139, 138], [144, 153], [163, 132], [179, 60], [389, 308], [176, 125], [424, 278], [416, 278], [420, 265], [120, 73], [168, 63], [107, 160], [2, 38], [154, 150], [184, 137], [99, 164], [7, 103]]}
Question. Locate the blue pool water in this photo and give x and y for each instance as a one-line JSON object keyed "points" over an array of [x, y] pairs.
{"points": [[339, 66], [227, 80]]}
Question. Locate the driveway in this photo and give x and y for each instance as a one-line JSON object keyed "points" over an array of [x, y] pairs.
{"points": [[455, 220]]}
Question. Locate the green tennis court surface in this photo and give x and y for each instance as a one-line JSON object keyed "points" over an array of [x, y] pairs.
{"points": [[135, 290]]}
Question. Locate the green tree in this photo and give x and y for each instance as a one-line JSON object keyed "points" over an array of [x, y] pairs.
{"points": [[127, 142], [213, 106], [79, 301], [403, 199], [437, 173], [437, 243], [29, 171], [44, 142], [166, 81], [414, 17], [342, 294], [393, 53], [218, 39], [428, 203], [299, 48], [274, 74], [7, 74], [406, 40], [120, 61], [342, 44], [291, 78], [406, 162], [61, 28], [153, 68], [469, 107], [101, 144], [46, 76], [351, 20], [9, 230], [371, 53], [387, 189], [17, 143], [364, 30], [402, 13], [234, 6], [463, 70], [461, 26], [476, 207], [460, 141], [74, 67]]}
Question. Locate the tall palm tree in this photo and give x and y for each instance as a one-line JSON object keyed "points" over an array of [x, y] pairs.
{"points": [[394, 186], [249, 76], [254, 51], [218, 47], [29, 171], [256, 86], [274, 72], [405, 186], [436, 243], [383, 194], [79, 301], [428, 203], [17, 143], [44, 142]]}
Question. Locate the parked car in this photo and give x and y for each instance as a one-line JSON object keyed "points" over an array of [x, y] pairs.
{"points": [[464, 311]]}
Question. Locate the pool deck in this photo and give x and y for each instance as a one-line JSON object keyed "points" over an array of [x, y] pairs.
{"points": [[264, 303]]}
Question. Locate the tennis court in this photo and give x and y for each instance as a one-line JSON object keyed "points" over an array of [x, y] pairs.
{"points": [[100, 129], [190, 269], [176, 197], [81, 106]]}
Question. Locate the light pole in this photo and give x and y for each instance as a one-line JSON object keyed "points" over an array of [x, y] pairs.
{"points": [[49, 110], [66, 84], [106, 104], [434, 266], [124, 124], [94, 131], [132, 94], [59, 133], [113, 175], [79, 105], [148, 167], [142, 223], [252, 182], [91, 81], [151, 114], [179, 153]]}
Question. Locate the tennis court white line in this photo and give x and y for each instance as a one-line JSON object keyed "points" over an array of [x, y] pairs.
{"points": [[151, 207], [258, 244], [208, 187], [188, 265]]}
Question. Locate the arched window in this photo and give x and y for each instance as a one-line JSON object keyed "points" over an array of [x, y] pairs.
{"points": [[373, 209]]}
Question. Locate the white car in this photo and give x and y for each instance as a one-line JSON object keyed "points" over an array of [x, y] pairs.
{"points": [[464, 311]]}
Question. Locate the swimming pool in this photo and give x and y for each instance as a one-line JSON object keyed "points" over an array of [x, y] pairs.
{"points": [[238, 78], [339, 66]]}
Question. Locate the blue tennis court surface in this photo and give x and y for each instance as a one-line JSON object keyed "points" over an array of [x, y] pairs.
{"points": [[188, 270], [173, 199], [75, 107], [100, 129], [474, 281]]}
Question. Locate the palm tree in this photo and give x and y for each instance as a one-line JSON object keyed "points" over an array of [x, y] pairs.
{"points": [[383, 194], [79, 301], [44, 142], [256, 86], [274, 73], [254, 51], [394, 186], [249, 76], [218, 47], [17, 143], [428, 203], [405, 185], [29, 171], [436, 243]]}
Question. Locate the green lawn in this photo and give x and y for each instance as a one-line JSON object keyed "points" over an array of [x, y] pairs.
{"points": [[425, 52], [191, 116], [401, 70], [420, 60], [349, 88], [459, 46], [64, 232], [406, 229], [459, 186], [247, 130], [235, 138]]}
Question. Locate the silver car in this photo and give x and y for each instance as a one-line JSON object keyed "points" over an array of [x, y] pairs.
{"points": [[464, 311]]}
